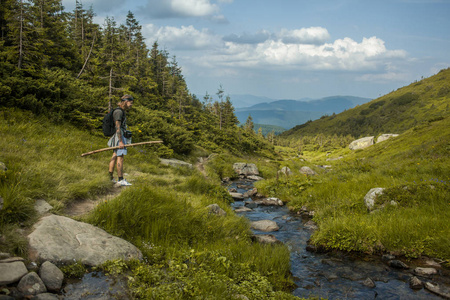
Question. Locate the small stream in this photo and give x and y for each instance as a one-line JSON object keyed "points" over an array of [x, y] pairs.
{"points": [[332, 275]]}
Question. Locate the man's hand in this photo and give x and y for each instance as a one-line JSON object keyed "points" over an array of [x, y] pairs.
{"points": [[121, 145]]}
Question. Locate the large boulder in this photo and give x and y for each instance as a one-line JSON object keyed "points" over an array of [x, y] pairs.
{"points": [[362, 143], [386, 136], [371, 196], [307, 171], [11, 271], [62, 240], [52, 276], [245, 169]]}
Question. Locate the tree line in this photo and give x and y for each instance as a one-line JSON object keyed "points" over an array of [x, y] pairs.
{"points": [[65, 66]]}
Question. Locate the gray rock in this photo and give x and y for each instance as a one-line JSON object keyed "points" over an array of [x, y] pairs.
{"points": [[62, 240], [216, 210], [31, 284], [266, 239], [51, 276], [237, 196], [311, 225], [251, 204], [436, 289], [371, 196], [387, 257], [255, 177], [307, 171], [245, 169], [250, 193], [397, 264], [4, 255], [415, 283], [285, 171], [41, 206], [11, 272], [46, 296], [3, 167], [243, 209], [425, 271], [369, 283], [175, 163], [265, 225], [386, 136], [270, 202], [362, 143]]}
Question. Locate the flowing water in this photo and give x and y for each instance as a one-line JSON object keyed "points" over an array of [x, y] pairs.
{"points": [[332, 275]]}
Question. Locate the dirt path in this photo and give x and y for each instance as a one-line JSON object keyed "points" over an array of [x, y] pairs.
{"points": [[84, 206]]}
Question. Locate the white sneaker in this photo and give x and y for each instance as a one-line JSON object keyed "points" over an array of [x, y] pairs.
{"points": [[123, 182], [113, 180]]}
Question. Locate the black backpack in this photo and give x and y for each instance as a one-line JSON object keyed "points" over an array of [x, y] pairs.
{"points": [[109, 128]]}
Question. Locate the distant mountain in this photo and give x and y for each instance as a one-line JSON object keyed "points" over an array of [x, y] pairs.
{"points": [[240, 101], [289, 113], [421, 102]]}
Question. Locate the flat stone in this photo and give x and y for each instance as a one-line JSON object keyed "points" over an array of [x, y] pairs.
{"points": [[425, 271], [11, 272], [265, 225], [243, 209], [362, 143], [237, 196], [436, 289], [62, 240]]}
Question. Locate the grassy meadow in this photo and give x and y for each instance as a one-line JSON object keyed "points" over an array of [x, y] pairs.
{"points": [[188, 252], [414, 169]]}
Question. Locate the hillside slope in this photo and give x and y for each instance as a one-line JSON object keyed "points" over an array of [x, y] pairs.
{"points": [[422, 101]]}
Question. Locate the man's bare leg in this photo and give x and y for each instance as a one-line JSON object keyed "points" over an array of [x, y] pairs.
{"points": [[112, 164], [120, 166]]}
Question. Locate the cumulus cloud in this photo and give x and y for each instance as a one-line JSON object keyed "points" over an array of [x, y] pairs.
{"points": [[342, 54], [301, 49], [181, 38], [180, 8], [247, 38], [311, 35]]}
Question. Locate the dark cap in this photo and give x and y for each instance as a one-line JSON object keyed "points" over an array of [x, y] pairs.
{"points": [[127, 98]]}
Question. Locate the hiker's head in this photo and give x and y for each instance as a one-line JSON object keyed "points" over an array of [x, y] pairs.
{"points": [[126, 101]]}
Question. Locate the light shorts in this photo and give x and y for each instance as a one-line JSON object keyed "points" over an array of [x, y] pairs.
{"points": [[121, 152]]}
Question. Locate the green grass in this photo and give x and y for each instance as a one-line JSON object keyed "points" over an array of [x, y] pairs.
{"points": [[189, 254], [414, 169]]}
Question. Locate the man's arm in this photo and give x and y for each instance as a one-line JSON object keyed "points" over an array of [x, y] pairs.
{"points": [[119, 134]]}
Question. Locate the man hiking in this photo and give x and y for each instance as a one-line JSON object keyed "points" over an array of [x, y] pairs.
{"points": [[120, 138]]}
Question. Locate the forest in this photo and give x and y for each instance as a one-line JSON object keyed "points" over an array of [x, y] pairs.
{"points": [[64, 66]]}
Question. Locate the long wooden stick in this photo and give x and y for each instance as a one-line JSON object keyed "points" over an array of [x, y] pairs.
{"points": [[117, 147]]}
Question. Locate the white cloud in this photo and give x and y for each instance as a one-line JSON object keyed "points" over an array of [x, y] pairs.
{"points": [[180, 8], [311, 35], [267, 51], [182, 38], [342, 54]]}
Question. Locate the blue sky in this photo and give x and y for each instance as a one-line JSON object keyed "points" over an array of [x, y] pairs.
{"points": [[291, 49]]}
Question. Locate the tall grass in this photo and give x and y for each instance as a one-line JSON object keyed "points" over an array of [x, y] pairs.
{"points": [[414, 170], [189, 253]]}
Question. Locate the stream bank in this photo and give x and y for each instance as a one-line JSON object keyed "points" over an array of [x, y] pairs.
{"points": [[338, 275]]}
